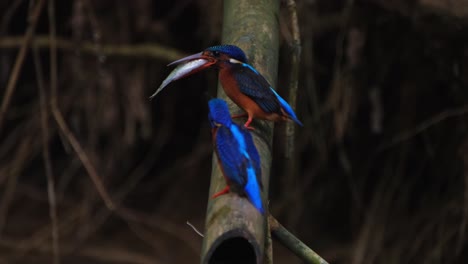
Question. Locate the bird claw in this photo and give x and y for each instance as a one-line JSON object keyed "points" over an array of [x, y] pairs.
{"points": [[223, 191], [247, 124]]}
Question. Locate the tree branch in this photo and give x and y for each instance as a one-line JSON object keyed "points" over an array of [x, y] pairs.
{"points": [[45, 128], [294, 76], [293, 243], [152, 51], [20, 59]]}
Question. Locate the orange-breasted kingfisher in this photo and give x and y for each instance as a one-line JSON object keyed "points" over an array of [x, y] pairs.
{"points": [[242, 83], [237, 155]]}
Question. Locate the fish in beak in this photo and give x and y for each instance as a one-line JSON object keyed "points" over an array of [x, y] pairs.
{"points": [[187, 66]]}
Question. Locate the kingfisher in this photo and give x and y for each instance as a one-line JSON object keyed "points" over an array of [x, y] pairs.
{"points": [[241, 81], [237, 155]]}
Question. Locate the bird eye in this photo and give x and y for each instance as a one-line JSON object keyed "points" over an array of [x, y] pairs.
{"points": [[215, 53]]}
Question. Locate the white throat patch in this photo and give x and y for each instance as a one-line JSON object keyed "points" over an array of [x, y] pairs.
{"points": [[231, 60]]}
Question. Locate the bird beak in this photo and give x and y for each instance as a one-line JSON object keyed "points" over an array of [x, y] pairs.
{"points": [[190, 58], [194, 62], [187, 66]]}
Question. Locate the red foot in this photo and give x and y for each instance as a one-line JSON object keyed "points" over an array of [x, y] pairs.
{"points": [[247, 124], [223, 191]]}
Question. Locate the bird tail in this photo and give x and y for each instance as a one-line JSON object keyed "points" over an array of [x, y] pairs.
{"points": [[252, 190], [287, 108]]}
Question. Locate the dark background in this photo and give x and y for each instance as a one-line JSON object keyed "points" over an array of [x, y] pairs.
{"points": [[382, 161]]}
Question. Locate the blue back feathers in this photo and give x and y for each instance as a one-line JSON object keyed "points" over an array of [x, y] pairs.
{"points": [[237, 154], [230, 50]]}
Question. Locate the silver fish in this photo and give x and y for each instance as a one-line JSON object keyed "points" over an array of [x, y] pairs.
{"points": [[179, 72]]}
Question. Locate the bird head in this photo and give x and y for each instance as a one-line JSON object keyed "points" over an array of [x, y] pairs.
{"points": [[222, 56], [219, 113], [226, 53]]}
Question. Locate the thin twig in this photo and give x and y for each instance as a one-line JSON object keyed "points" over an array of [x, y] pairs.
{"points": [[19, 60], [83, 157], [293, 243], [152, 51], [195, 229]]}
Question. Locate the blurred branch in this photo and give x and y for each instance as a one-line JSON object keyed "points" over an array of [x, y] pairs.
{"points": [[8, 15], [153, 51], [43, 109], [83, 157], [132, 217], [39, 239], [342, 86], [100, 253], [22, 153], [45, 131], [405, 135], [24, 43], [294, 76], [92, 172], [293, 243], [407, 8]]}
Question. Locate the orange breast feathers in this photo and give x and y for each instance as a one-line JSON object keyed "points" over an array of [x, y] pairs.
{"points": [[231, 87], [232, 90]]}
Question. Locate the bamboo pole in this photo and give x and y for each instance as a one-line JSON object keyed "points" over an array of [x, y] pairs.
{"points": [[234, 230]]}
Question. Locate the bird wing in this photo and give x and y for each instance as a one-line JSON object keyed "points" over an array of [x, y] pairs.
{"points": [[231, 159], [254, 158], [252, 190], [240, 162], [254, 185], [255, 86]]}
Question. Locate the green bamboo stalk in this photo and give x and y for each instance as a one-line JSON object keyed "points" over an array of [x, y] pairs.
{"points": [[234, 230], [293, 243]]}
